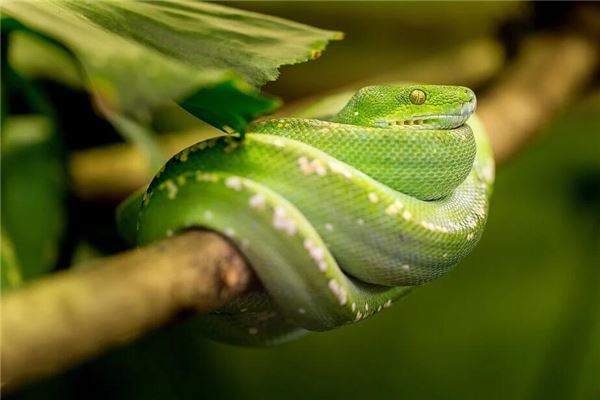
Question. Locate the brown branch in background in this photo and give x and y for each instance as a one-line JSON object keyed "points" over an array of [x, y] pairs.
{"points": [[549, 74], [66, 318], [73, 315], [113, 172]]}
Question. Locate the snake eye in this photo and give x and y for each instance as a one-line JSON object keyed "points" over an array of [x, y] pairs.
{"points": [[417, 97]]}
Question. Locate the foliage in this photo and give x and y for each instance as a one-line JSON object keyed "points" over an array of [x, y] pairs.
{"points": [[31, 171], [134, 59], [136, 56]]}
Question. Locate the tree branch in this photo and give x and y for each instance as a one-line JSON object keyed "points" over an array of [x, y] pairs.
{"points": [[68, 317], [73, 315], [549, 73]]}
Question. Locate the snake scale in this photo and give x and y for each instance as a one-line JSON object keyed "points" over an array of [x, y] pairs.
{"points": [[339, 216]]}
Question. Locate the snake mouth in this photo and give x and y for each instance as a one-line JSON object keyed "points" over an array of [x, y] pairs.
{"points": [[437, 121]]}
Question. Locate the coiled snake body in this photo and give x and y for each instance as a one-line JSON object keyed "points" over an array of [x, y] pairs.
{"points": [[338, 217]]}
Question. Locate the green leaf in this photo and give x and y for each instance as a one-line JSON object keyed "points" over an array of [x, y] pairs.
{"points": [[33, 189], [226, 106], [139, 56], [34, 57], [10, 271]]}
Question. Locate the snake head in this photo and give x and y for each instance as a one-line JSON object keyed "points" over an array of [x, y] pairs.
{"points": [[411, 106]]}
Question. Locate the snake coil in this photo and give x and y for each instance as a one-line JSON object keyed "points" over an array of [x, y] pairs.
{"points": [[339, 216]]}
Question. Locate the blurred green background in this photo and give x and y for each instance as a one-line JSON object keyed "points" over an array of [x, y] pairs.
{"points": [[518, 319]]}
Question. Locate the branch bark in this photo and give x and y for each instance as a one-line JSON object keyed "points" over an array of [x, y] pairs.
{"points": [[71, 316]]}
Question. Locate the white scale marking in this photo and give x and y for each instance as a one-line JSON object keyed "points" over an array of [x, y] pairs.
{"points": [[338, 291], [171, 188], [257, 201], [338, 168], [309, 167], [316, 253], [230, 232], [394, 208], [282, 222], [234, 183]]}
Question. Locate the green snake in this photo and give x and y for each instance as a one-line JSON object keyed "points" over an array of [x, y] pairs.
{"points": [[339, 216]]}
